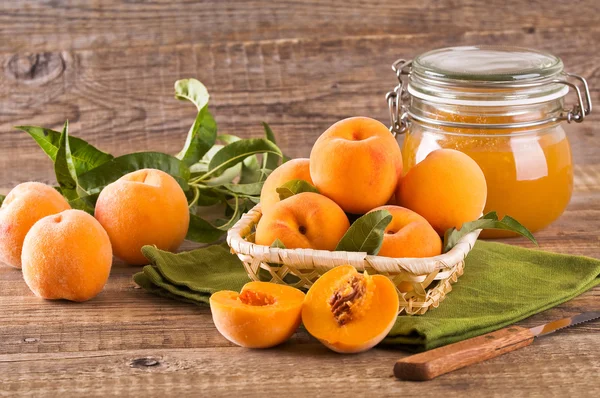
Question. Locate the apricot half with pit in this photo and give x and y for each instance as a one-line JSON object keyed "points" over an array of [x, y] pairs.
{"points": [[350, 312], [262, 315]]}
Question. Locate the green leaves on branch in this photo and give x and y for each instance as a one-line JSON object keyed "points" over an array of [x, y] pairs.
{"points": [[229, 174], [488, 221], [366, 233], [294, 187]]}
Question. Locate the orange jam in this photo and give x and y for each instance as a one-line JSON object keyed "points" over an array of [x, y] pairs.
{"points": [[529, 174]]}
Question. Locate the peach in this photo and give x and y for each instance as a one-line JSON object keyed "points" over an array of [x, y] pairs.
{"points": [[146, 207], [295, 169], [350, 312], [305, 220], [23, 206], [447, 188], [409, 235], [262, 315], [356, 163], [67, 256]]}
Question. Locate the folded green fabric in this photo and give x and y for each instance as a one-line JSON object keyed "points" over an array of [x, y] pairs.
{"points": [[502, 284]]}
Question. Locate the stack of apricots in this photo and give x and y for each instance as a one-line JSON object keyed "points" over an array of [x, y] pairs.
{"points": [[356, 167], [67, 254]]}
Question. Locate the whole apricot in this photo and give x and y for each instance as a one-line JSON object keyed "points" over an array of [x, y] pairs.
{"points": [[262, 315], [146, 207], [447, 188], [408, 235], [348, 311], [356, 162], [67, 256], [295, 169], [306, 220], [23, 206]]}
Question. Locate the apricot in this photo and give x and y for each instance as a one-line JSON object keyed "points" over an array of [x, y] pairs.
{"points": [[146, 207], [23, 206], [408, 235], [447, 188], [262, 315], [295, 169], [356, 162], [306, 220], [350, 312], [67, 256]]}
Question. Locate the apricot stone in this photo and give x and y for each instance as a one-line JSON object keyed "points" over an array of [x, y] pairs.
{"points": [[408, 235], [146, 207], [23, 206], [295, 169], [447, 188], [262, 315], [356, 162], [306, 220], [67, 256]]}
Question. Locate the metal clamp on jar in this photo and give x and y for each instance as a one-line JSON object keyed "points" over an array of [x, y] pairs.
{"points": [[504, 107]]}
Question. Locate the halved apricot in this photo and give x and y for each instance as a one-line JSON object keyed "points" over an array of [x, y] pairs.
{"points": [[350, 312], [262, 315]]}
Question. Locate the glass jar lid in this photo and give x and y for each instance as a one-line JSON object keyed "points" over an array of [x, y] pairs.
{"points": [[485, 76], [487, 64]]}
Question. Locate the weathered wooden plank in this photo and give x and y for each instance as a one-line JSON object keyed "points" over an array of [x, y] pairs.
{"points": [[564, 363], [67, 24], [121, 99]]}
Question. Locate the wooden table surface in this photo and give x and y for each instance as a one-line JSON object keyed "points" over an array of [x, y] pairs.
{"points": [[109, 67]]}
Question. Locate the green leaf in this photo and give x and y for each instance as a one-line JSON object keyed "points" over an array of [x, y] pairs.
{"points": [[366, 233], [85, 156], [202, 231], [85, 203], [270, 161], [2, 197], [237, 151], [200, 138], [294, 187], [94, 180], [64, 168], [251, 162], [488, 221], [253, 188], [193, 91], [278, 244], [237, 214]]}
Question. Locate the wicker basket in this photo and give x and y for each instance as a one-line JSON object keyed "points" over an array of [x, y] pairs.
{"points": [[431, 278]]}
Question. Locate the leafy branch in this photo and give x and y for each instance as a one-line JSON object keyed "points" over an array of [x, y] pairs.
{"points": [[213, 170]]}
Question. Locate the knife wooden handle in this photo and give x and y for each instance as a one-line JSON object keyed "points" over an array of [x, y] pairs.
{"points": [[430, 364]]}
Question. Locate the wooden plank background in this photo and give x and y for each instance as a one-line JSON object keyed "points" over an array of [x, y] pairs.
{"points": [[109, 67]]}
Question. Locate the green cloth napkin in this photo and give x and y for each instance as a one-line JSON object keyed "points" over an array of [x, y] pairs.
{"points": [[502, 284]]}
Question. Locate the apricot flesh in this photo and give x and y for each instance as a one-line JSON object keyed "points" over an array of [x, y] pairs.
{"points": [[67, 256], [408, 235], [350, 312], [146, 207], [447, 188], [22, 208], [356, 162], [295, 169], [262, 315], [305, 220]]}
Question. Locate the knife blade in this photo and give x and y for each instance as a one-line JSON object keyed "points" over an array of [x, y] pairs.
{"points": [[433, 363]]}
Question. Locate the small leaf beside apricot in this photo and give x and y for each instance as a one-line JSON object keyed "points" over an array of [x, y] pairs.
{"points": [[366, 233], [295, 187]]}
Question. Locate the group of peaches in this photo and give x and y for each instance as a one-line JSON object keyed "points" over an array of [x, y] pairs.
{"points": [[67, 253], [356, 167]]}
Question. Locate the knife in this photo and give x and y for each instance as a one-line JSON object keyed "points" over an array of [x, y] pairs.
{"points": [[433, 363]]}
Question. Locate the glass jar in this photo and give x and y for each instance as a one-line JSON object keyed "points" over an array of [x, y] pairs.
{"points": [[502, 106]]}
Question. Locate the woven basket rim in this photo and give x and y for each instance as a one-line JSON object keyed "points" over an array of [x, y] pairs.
{"points": [[309, 258]]}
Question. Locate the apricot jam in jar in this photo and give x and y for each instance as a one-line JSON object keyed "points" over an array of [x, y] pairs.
{"points": [[505, 108]]}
